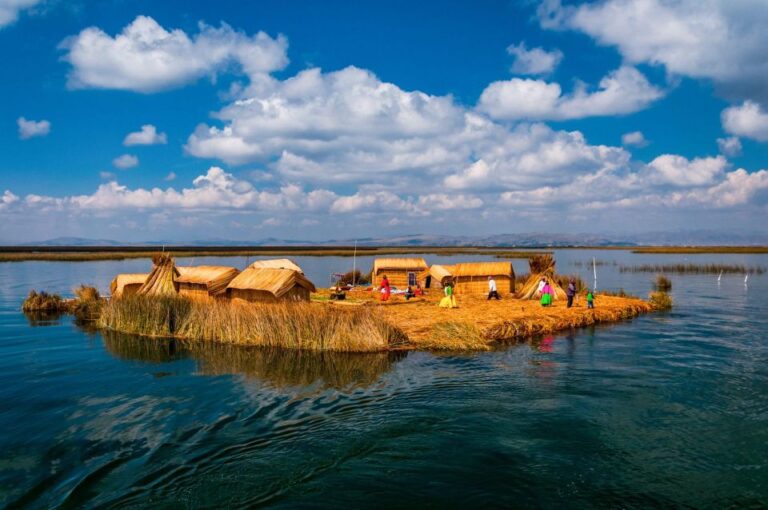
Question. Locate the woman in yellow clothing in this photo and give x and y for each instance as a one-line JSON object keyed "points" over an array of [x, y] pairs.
{"points": [[449, 301]]}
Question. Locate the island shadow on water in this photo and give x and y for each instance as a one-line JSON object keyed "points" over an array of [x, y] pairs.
{"points": [[276, 367]]}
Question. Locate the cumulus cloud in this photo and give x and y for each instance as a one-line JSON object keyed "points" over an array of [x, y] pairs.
{"points": [[534, 61], [125, 161], [634, 139], [31, 128], [148, 135], [730, 146], [623, 91], [679, 171], [145, 57], [714, 39], [10, 9], [748, 120]]}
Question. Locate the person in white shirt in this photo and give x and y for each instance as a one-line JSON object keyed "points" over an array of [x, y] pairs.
{"points": [[540, 288], [492, 292]]}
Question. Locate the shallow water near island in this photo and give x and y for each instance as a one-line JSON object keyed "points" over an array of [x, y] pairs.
{"points": [[664, 410]]}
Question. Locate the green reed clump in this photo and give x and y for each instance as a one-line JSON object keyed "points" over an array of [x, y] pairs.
{"points": [[44, 302], [288, 325], [660, 300], [88, 302], [662, 283]]}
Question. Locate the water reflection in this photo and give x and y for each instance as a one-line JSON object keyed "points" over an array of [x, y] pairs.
{"points": [[277, 367], [42, 319]]}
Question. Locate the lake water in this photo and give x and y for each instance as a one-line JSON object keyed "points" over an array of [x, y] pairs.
{"points": [[666, 410]]}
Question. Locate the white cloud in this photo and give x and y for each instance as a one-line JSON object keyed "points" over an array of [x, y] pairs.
{"points": [[107, 176], [125, 161], [30, 128], [145, 57], [720, 40], [534, 61], [634, 139], [679, 171], [7, 199], [171, 176], [730, 146], [10, 9], [148, 135], [621, 92], [748, 120]]}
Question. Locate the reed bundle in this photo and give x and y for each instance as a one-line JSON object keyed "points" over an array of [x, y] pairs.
{"points": [[289, 325]]}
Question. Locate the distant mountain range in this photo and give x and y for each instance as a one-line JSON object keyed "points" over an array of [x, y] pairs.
{"points": [[526, 240]]}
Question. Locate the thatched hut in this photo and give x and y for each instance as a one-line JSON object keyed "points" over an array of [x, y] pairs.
{"points": [[269, 285], [400, 272], [541, 266], [472, 277], [436, 276], [277, 264], [162, 279], [204, 282], [127, 284]]}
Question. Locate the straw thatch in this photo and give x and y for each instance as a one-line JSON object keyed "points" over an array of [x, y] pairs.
{"points": [[472, 277], [204, 281], [436, 276], [397, 270], [162, 279], [276, 264], [542, 266], [127, 284], [268, 284]]}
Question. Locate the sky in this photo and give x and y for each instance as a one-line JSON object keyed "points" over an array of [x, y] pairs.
{"points": [[140, 121]]}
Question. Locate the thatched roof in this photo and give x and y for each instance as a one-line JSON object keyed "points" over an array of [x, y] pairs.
{"points": [[483, 269], [120, 281], [277, 264], [275, 281], [162, 278], [415, 263], [215, 278], [440, 272]]}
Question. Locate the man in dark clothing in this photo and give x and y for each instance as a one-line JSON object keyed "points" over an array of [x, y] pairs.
{"points": [[571, 292]]}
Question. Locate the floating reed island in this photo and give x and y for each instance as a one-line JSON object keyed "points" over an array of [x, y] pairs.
{"points": [[273, 304]]}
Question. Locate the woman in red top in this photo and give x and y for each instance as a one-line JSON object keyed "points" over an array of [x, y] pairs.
{"points": [[386, 291]]}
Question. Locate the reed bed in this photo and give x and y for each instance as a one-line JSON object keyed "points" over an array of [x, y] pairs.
{"points": [[288, 325], [700, 249], [693, 269], [11, 254]]}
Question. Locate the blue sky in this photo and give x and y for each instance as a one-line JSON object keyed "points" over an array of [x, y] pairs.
{"points": [[310, 120]]}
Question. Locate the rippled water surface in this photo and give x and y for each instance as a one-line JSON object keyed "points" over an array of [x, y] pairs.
{"points": [[666, 410]]}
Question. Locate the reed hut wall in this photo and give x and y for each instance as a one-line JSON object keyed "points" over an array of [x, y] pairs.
{"points": [[399, 271], [472, 277], [479, 284], [196, 291], [297, 293]]}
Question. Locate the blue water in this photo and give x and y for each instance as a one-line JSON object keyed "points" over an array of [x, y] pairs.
{"points": [[666, 410]]}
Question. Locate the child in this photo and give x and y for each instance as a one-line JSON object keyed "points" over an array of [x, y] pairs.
{"points": [[590, 299]]}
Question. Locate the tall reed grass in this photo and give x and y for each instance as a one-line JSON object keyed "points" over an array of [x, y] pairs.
{"points": [[693, 269], [662, 283], [289, 325]]}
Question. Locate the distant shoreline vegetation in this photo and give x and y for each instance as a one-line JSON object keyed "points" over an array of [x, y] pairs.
{"points": [[95, 253], [693, 269]]}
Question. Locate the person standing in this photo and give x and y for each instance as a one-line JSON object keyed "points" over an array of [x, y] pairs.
{"points": [[590, 299], [571, 292], [449, 301], [540, 288], [546, 294], [386, 291], [492, 291]]}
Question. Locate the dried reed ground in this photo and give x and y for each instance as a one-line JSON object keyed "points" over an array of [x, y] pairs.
{"points": [[478, 324], [361, 324]]}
